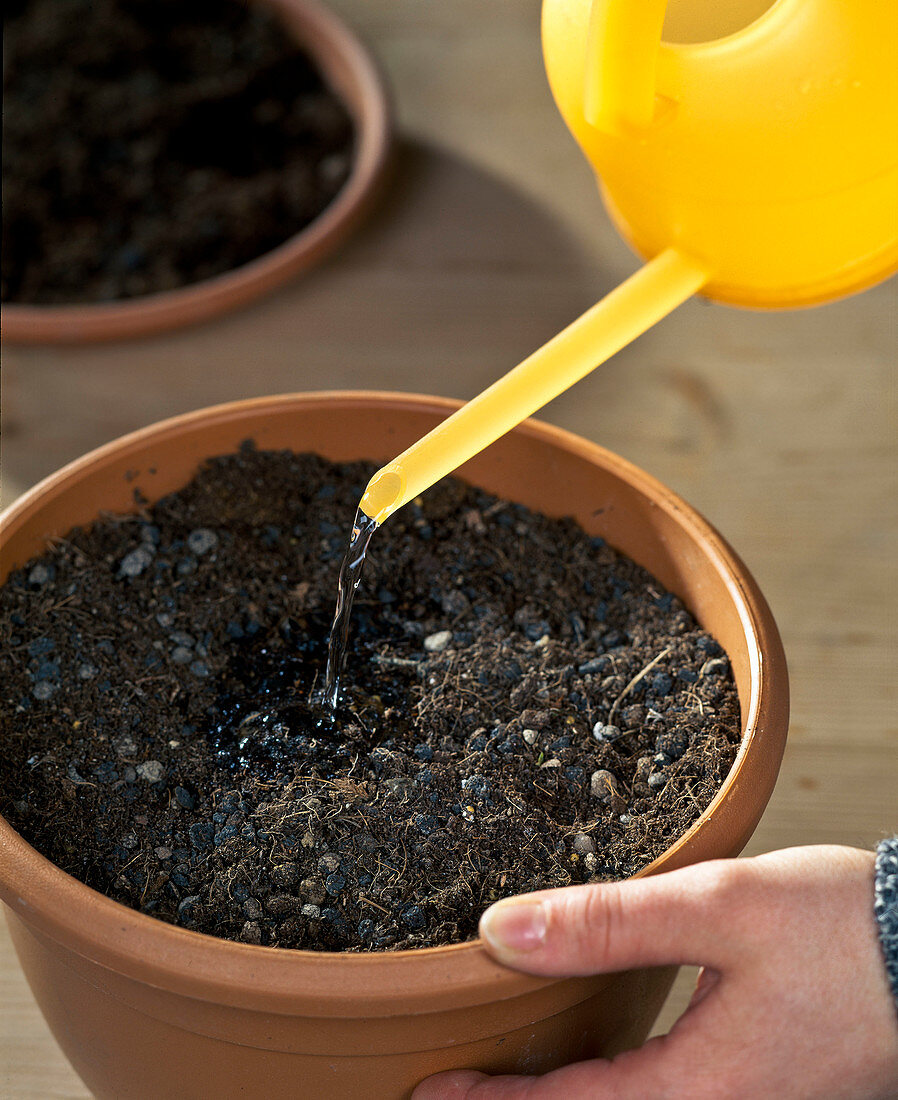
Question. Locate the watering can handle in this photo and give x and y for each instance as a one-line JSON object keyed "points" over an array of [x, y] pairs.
{"points": [[621, 60]]}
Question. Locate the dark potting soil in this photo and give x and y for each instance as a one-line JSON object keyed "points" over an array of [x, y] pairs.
{"points": [[523, 708], [148, 144]]}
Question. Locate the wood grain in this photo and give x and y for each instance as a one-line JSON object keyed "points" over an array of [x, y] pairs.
{"points": [[780, 427]]}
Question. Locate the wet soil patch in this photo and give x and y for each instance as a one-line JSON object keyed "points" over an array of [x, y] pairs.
{"points": [[149, 144], [523, 708]]}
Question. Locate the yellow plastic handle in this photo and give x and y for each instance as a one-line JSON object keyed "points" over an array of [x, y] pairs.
{"points": [[647, 296], [621, 58]]}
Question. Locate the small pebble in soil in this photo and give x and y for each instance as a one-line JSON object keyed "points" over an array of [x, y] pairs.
{"points": [[436, 643], [251, 932], [201, 540], [202, 835], [184, 798], [134, 563], [603, 785], [187, 907], [412, 916]]}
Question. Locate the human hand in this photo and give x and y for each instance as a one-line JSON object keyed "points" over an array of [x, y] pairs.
{"points": [[793, 1001]]}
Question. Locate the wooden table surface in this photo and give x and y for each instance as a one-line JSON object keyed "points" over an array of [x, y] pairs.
{"points": [[779, 427]]}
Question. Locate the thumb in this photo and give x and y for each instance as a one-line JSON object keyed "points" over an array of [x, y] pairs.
{"points": [[679, 917]]}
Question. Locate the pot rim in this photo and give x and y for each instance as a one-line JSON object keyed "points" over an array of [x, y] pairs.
{"points": [[356, 78], [209, 968]]}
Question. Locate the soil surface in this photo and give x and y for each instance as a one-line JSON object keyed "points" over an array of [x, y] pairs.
{"points": [[523, 708], [148, 144]]}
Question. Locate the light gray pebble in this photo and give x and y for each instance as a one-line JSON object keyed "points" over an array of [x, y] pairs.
{"points": [[165, 618], [181, 655], [644, 768], [436, 643], [656, 780], [603, 785], [252, 908], [43, 689], [584, 844], [87, 671], [151, 770], [162, 852], [182, 638], [39, 575], [530, 736], [311, 912], [251, 932], [601, 732], [133, 564], [202, 540]]}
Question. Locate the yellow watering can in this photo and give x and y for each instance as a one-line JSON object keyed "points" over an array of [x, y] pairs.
{"points": [[747, 150]]}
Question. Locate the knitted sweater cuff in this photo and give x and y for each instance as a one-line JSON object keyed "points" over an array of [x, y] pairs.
{"points": [[885, 907]]}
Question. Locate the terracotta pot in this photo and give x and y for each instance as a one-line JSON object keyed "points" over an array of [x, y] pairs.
{"points": [[353, 75], [145, 1009]]}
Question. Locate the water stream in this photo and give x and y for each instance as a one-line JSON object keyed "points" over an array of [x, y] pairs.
{"points": [[363, 528]]}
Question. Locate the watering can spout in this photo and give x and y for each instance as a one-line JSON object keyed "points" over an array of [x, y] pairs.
{"points": [[631, 308]]}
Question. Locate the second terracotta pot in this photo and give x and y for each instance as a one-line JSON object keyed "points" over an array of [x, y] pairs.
{"points": [[147, 1010], [353, 75]]}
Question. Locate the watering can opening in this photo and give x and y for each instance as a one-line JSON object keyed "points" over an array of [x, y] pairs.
{"points": [[690, 22]]}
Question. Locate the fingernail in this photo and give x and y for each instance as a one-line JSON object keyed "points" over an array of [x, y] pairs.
{"points": [[514, 927]]}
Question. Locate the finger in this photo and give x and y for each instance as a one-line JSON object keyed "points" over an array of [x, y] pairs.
{"points": [[673, 918], [635, 1075], [468, 1084]]}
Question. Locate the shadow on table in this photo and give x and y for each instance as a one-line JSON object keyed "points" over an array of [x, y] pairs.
{"points": [[455, 278]]}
